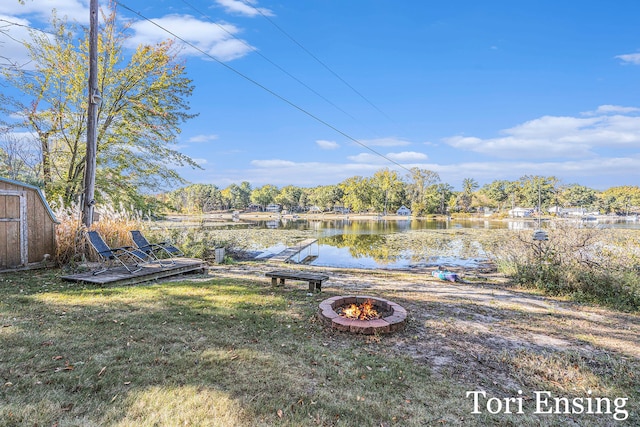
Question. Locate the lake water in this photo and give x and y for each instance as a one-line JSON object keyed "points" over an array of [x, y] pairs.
{"points": [[375, 244]]}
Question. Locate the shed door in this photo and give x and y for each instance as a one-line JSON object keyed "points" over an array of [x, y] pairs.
{"points": [[13, 229]]}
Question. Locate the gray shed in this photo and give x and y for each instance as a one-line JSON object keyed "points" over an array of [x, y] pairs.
{"points": [[27, 225]]}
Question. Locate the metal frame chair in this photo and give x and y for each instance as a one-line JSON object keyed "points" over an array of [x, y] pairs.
{"points": [[155, 249], [110, 255]]}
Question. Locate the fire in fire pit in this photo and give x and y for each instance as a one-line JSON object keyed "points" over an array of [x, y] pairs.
{"points": [[362, 314], [364, 311]]}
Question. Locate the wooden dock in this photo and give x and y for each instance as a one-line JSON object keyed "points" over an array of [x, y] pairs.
{"points": [[288, 254], [154, 271]]}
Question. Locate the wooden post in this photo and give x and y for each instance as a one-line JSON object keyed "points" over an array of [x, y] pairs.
{"points": [[92, 118]]}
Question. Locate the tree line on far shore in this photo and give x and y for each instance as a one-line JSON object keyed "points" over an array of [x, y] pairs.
{"points": [[421, 191]]}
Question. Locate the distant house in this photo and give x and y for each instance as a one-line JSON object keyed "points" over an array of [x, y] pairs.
{"points": [[273, 207], [521, 212], [315, 209], [403, 211]]}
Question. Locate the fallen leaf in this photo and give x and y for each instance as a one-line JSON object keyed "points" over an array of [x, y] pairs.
{"points": [[102, 371], [280, 413], [56, 357]]}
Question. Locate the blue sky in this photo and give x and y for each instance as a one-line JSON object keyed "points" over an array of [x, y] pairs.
{"points": [[485, 90]]}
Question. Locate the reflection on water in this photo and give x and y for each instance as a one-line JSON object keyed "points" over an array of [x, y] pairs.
{"points": [[393, 244], [368, 226], [386, 244]]}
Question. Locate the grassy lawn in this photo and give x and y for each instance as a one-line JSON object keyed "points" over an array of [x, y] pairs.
{"points": [[227, 350]]}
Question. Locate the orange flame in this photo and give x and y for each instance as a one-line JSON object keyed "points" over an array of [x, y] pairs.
{"points": [[364, 311]]}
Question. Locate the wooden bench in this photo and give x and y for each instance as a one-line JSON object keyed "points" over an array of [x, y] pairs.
{"points": [[315, 280]]}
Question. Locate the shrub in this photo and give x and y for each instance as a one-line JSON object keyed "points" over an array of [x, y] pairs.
{"points": [[587, 263]]}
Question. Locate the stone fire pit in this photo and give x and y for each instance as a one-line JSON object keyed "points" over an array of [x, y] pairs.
{"points": [[392, 316]]}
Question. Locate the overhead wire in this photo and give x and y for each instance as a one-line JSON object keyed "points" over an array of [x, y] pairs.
{"points": [[261, 86], [256, 51], [318, 60]]}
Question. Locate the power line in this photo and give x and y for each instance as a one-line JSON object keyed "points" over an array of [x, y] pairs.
{"points": [[318, 60], [256, 51], [261, 86]]}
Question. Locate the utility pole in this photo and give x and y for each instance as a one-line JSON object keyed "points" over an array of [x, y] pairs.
{"points": [[92, 118]]}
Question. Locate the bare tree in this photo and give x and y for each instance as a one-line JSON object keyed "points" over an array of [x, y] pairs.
{"points": [[19, 158]]}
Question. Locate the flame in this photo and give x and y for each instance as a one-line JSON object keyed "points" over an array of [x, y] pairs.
{"points": [[364, 311]]}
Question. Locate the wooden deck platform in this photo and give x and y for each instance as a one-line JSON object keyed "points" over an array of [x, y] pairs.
{"points": [[288, 254], [121, 276]]}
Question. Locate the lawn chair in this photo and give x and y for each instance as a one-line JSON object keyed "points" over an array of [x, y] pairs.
{"points": [[110, 255], [155, 250]]}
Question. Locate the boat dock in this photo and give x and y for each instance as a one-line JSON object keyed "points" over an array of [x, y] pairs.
{"points": [[295, 251]]}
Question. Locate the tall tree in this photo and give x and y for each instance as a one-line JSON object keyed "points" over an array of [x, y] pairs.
{"points": [[578, 196], [469, 185], [289, 197], [264, 195], [388, 191], [422, 191], [536, 189], [497, 192], [143, 105], [622, 200], [357, 193]]}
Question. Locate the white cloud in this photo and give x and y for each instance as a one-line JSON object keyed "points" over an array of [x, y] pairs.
{"points": [[200, 161], [246, 8], [76, 10], [275, 163], [217, 40], [367, 158], [594, 172], [327, 145], [402, 157], [598, 172], [385, 142], [284, 172], [407, 156], [203, 138], [556, 137], [630, 58], [608, 109]]}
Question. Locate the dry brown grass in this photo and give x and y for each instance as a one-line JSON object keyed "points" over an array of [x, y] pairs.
{"points": [[114, 226]]}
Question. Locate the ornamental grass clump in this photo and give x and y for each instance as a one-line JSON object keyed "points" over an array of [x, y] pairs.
{"points": [[588, 263], [114, 225]]}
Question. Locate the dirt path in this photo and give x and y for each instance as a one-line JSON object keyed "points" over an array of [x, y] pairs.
{"points": [[487, 334]]}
